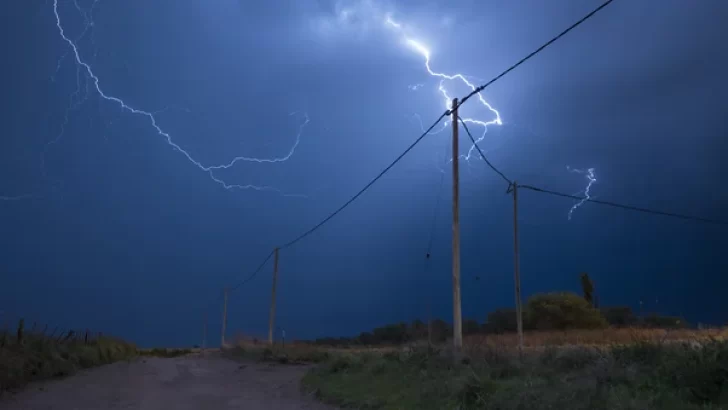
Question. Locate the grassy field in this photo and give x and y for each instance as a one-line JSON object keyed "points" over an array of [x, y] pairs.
{"points": [[28, 356], [602, 369], [597, 337]]}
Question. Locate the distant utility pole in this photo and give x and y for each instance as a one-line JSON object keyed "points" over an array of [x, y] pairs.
{"points": [[204, 333], [224, 318], [457, 327], [272, 318], [429, 307], [517, 269], [429, 322]]}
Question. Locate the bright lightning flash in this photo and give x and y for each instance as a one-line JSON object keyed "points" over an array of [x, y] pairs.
{"points": [[591, 178], [86, 71], [424, 51]]}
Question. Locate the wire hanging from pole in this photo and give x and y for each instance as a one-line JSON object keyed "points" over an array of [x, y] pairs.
{"points": [[627, 207]]}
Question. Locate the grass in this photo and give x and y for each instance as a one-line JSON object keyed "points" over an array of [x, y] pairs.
{"points": [[164, 352], [598, 337], [27, 357], [647, 373], [293, 353]]}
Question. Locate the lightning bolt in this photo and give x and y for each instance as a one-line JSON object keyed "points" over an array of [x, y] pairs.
{"points": [[16, 197], [426, 54], [424, 51], [591, 178], [84, 70]]}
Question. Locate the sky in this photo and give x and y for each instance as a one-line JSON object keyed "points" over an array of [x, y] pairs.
{"points": [[244, 124]]}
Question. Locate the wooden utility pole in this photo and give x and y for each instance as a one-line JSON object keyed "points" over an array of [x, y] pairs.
{"points": [[224, 318], [204, 333], [517, 269], [457, 327], [272, 318], [429, 322]]}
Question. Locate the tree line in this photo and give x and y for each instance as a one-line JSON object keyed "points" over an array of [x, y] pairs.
{"points": [[546, 311]]}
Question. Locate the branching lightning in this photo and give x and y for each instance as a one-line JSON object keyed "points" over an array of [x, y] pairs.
{"points": [[591, 178], [424, 51], [85, 70]]}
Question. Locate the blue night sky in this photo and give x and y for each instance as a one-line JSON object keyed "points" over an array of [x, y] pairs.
{"points": [[106, 225]]}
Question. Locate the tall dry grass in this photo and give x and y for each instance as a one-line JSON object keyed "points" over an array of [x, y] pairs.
{"points": [[30, 355]]}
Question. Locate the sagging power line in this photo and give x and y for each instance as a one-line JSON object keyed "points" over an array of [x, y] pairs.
{"points": [[585, 198], [627, 207], [538, 50], [255, 272]]}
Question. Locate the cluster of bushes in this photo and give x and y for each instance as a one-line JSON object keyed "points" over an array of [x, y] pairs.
{"points": [[551, 311], [27, 356], [402, 332], [563, 311]]}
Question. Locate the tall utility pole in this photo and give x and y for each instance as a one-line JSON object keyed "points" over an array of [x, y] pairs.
{"points": [[457, 327], [272, 318], [517, 269], [224, 318]]}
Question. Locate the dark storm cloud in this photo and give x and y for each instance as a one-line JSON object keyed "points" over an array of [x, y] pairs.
{"points": [[136, 232]]}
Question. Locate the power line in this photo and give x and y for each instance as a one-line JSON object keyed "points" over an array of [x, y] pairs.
{"points": [[434, 214], [341, 208], [252, 275], [367, 186], [424, 134], [585, 198], [483, 155], [628, 207], [446, 113], [538, 50]]}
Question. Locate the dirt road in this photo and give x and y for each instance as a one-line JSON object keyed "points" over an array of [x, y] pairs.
{"points": [[183, 383]]}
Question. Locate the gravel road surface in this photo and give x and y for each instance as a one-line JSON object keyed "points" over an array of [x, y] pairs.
{"points": [[183, 383]]}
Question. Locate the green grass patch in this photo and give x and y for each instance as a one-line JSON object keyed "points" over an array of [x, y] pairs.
{"points": [[643, 376]]}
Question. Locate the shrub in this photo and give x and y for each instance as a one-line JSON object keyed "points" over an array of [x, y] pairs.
{"points": [[501, 321], [562, 311], [664, 322], [619, 316]]}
